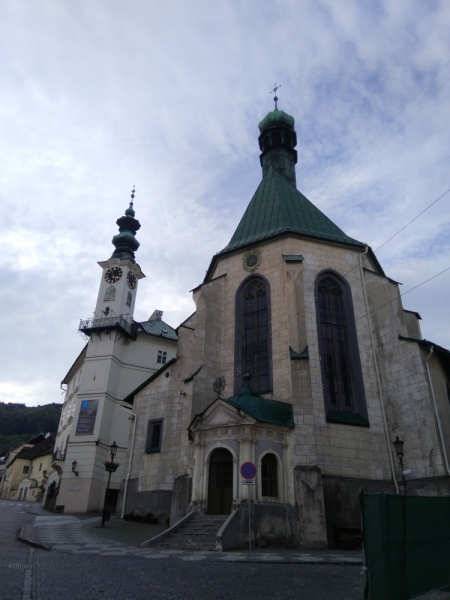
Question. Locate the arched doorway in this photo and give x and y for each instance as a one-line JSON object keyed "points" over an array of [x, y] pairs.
{"points": [[220, 484]]}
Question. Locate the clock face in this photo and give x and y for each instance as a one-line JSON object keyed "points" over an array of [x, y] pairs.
{"points": [[131, 280], [113, 275]]}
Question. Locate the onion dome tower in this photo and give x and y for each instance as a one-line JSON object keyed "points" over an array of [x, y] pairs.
{"points": [[125, 242], [277, 143]]}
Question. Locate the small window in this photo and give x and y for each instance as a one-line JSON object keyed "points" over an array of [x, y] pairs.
{"points": [[40, 466], [162, 357], [110, 294], [129, 298], [269, 476], [25, 470], [154, 436]]}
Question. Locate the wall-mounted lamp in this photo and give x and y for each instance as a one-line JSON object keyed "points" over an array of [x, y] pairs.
{"points": [[74, 466], [182, 393]]}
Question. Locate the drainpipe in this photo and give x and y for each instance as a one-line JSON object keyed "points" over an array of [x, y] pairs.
{"points": [[377, 372], [441, 435], [134, 416]]}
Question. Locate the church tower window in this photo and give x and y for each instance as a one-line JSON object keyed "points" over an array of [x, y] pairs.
{"points": [[340, 362], [110, 294], [253, 343]]}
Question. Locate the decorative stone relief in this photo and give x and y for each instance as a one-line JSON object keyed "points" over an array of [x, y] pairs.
{"points": [[222, 417]]}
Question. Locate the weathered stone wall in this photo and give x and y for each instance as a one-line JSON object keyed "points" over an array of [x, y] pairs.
{"points": [[406, 390], [156, 502], [310, 507]]}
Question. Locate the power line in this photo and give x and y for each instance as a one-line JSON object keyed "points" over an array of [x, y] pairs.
{"points": [[378, 307], [387, 141], [378, 134], [412, 220], [401, 295]]}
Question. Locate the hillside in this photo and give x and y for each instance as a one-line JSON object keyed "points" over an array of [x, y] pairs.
{"points": [[19, 423]]}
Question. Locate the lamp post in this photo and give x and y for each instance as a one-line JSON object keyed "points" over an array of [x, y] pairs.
{"points": [[111, 467], [398, 445]]}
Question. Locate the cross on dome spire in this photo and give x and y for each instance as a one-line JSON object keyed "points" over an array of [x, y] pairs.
{"points": [[274, 91]]}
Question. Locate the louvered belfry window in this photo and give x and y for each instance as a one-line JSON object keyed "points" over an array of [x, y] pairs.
{"points": [[337, 368], [255, 335]]}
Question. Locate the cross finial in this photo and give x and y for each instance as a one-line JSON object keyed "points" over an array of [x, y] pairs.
{"points": [[274, 91]]}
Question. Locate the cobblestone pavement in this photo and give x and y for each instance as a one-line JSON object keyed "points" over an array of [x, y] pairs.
{"points": [[78, 577], [84, 566], [66, 534], [15, 561]]}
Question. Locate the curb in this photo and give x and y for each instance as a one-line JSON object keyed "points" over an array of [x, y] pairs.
{"points": [[21, 537]]}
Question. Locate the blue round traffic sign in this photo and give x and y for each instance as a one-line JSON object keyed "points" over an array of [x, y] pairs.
{"points": [[248, 470]]}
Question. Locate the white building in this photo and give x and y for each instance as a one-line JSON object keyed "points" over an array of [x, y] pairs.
{"points": [[120, 354]]}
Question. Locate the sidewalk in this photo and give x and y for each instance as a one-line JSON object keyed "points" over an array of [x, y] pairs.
{"points": [[78, 533]]}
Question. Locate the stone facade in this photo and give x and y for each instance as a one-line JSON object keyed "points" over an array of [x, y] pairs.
{"points": [[326, 455]]}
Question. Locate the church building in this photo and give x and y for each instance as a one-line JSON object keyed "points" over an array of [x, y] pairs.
{"points": [[301, 359]]}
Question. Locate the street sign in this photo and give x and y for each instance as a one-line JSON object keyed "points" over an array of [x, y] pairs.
{"points": [[248, 470], [407, 472], [249, 482]]}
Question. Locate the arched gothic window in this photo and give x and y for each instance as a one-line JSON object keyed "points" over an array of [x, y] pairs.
{"points": [[110, 294], [339, 355], [253, 336], [269, 475]]}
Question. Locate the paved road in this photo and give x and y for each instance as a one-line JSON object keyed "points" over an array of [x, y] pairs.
{"points": [[108, 571], [14, 556], [82, 566]]}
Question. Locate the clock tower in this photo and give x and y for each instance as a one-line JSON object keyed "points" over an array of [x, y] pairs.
{"points": [[121, 273]]}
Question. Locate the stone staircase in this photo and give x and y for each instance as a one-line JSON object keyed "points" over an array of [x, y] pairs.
{"points": [[197, 534]]}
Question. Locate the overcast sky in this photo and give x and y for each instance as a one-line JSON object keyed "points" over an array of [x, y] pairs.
{"points": [[99, 95]]}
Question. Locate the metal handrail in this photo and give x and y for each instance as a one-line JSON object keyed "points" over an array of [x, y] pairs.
{"points": [[105, 322]]}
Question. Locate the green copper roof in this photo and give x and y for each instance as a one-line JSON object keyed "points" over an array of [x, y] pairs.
{"points": [[293, 355], [262, 409], [274, 118], [277, 208], [159, 328]]}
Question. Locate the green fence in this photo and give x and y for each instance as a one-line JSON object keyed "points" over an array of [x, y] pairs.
{"points": [[406, 543]]}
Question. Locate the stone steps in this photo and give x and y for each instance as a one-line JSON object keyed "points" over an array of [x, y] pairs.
{"points": [[198, 534]]}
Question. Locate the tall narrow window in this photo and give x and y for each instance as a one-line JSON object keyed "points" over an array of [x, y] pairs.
{"points": [[269, 475], [336, 357], [154, 435], [253, 335], [340, 362]]}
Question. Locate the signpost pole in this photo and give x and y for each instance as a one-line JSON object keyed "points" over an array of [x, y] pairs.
{"points": [[249, 522], [248, 470]]}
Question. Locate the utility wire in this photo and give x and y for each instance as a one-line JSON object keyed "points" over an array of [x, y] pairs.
{"points": [[387, 141], [412, 220], [378, 307], [404, 227], [401, 295], [378, 134]]}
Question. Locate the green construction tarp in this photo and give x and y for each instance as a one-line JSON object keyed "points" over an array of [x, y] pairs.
{"points": [[406, 543]]}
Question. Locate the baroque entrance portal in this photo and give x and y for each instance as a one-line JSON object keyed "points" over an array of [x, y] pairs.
{"points": [[220, 486]]}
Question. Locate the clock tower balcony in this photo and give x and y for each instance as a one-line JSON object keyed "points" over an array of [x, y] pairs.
{"points": [[107, 324]]}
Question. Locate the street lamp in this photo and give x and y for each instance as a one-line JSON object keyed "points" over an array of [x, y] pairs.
{"points": [[111, 467], [398, 445], [74, 467]]}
